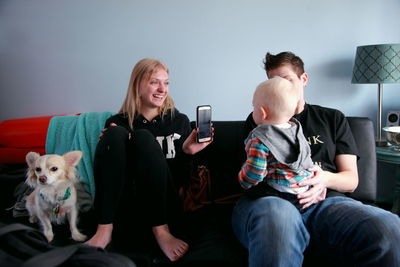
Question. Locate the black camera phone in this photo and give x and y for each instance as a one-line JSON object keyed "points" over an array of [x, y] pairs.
{"points": [[203, 123]]}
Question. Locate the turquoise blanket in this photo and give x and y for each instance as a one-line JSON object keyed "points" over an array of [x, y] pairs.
{"points": [[77, 132]]}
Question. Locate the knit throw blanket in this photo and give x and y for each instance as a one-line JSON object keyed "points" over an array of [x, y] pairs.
{"points": [[77, 132]]}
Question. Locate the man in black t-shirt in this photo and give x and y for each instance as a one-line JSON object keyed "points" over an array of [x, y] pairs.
{"points": [[342, 230]]}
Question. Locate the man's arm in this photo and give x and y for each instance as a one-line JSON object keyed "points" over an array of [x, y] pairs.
{"points": [[345, 180]]}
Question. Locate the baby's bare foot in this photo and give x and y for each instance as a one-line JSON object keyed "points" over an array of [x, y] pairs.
{"points": [[172, 247], [102, 237]]}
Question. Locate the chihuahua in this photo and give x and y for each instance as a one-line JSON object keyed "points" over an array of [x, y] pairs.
{"points": [[53, 178]]}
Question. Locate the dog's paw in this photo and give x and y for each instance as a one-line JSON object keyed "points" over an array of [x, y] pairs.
{"points": [[49, 235], [77, 236], [33, 219]]}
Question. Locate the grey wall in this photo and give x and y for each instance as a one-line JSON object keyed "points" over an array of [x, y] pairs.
{"points": [[61, 57]]}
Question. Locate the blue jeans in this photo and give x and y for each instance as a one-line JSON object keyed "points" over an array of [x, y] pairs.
{"points": [[344, 231]]}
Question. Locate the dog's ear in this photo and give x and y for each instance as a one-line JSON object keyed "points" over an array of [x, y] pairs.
{"points": [[72, 158], [31, 157]]}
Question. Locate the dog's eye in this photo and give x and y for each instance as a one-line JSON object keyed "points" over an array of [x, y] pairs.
{"points": [[53, 169], [38, 169]]}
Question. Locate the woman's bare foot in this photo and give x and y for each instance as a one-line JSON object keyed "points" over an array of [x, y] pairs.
{"points": [[102, 237], [172, 247]]}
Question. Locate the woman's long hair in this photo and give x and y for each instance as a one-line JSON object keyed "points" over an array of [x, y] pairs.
{"points": [[142, 73]]}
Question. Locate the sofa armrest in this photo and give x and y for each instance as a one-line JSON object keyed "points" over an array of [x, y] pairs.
{"points": [[19, 136], [363, 132]]}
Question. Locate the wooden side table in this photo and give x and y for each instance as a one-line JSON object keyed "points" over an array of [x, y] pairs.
{"points": [[390, 156]]}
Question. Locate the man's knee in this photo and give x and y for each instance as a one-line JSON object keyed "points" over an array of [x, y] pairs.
{"points": [[275, 212], [378, 237], [383, 228], [276, 225]]}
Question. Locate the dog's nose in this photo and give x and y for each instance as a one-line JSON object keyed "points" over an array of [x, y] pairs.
{"points": [[42, 179]]}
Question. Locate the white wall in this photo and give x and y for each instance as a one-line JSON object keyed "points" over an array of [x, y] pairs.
{"points": [[60, 57]]}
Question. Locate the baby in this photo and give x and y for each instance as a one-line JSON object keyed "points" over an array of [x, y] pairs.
{"points": [[278, 155]]}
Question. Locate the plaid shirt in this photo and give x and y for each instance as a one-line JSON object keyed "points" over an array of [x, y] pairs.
{"points": [[261, 164]]}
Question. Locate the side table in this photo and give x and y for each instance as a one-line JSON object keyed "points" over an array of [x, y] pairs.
{"points": [[390, 156]]}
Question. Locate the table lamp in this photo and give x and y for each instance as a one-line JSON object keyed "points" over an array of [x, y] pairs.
{"points": [[377, 64]]}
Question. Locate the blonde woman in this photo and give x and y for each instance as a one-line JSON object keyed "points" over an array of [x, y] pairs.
{"points": [[141, 160]]}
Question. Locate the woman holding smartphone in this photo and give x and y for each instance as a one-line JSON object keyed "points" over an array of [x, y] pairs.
{"points": [[141, 160]]}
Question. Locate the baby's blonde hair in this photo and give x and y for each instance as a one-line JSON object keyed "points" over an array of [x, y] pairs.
{"points": [[278, 95]]}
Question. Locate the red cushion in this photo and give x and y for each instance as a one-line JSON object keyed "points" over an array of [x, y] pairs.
{"points": [[24, 133]]}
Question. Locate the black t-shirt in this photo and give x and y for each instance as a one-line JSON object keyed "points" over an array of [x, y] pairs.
{"points": [[327, 132], [170, 131]]}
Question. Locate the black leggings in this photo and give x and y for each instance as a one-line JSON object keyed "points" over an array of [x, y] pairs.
{"points": [[133, 179]]}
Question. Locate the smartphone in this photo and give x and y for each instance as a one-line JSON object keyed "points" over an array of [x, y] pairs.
{"points": [[203, 123]]}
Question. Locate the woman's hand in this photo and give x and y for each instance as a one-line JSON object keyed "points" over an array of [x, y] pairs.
{"points": [[317, 190], [191, 146], [105, 129]]}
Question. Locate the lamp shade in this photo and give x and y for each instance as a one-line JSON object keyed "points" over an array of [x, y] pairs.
{"points": [[377, 64]]}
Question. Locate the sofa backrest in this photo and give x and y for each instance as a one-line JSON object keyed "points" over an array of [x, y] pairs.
{"points": [[225, 155]]}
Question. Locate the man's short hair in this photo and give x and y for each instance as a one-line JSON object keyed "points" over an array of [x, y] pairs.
{"points": [[284, 58]]}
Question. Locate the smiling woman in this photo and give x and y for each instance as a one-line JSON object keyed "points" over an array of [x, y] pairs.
{"points": [[140, 158], [147, 91], [153, 92]]}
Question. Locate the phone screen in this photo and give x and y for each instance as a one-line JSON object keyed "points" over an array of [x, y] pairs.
{"points": [[204, 123]]}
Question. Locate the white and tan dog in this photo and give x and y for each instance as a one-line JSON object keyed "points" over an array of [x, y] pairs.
{"points": [[53, 178]]}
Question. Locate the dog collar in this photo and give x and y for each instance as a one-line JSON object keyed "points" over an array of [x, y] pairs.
{"points": [[65, 197], [57, 209], [67, 194]]}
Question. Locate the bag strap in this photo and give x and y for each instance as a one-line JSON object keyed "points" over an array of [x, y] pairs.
{"points": [[54, 257], [15, 227]]}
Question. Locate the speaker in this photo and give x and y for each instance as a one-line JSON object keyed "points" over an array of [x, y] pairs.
{"points": [[393, 118]]}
